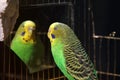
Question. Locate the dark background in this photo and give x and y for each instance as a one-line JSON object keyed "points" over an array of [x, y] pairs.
{"points": [[106, 15]]}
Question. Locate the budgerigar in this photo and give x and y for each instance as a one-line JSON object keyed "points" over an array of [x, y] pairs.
{"points": [[28, 47], [68, 53]]}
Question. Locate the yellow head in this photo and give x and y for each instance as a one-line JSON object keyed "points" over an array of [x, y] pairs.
{"points": [[58, 32], [26, 31]]}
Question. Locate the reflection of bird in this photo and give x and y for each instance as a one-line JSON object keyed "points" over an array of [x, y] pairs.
{"points": [[68, 53], [28, 47], [112, 34]]}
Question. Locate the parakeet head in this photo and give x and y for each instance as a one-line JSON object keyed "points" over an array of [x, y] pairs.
{"points": [[26, 31], [59, 31]]}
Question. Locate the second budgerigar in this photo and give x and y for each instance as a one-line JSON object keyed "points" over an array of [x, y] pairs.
{"points": [[28, 46], [68, 53]]}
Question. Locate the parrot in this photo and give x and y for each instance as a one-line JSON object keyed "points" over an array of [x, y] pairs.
{"points": [[28, 46], [69, 54]]}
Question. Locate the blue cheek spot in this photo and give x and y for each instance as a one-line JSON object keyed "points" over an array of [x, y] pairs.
{"points": [[53, 36], [23, 33]]}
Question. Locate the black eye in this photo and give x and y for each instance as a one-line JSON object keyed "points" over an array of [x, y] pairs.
{"points": [[55, 28], [53, 36], [23, 33]]}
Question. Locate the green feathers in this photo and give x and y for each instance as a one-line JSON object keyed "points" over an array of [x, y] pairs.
{"points": [[68, 53], [28, 47]]}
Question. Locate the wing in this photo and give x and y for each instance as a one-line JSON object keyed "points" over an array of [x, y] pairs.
{"points": [[78, 63]]}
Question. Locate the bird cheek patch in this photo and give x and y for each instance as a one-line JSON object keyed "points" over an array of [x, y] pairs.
{"points": [[53, 36], [24, 40]]}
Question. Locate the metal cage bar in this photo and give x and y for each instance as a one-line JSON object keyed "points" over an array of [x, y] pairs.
{"points": [[14, 69], [34, 2]]}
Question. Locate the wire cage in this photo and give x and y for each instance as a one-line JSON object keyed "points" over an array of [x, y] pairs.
{"points": [[103, 50], [107, 58], [43, 13]]}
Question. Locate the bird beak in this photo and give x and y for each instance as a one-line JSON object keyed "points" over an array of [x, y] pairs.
{"points": [[31, 28], [31, 31], [49, 35]]}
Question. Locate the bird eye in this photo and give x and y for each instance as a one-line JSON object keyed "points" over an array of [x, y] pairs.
{"points": [[53, 36], [55, 28], [23, 33]]}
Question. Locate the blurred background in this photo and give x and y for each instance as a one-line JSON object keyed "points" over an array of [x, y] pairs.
{"points": [[95, 22]]}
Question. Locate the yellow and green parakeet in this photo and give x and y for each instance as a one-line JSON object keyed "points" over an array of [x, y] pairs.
{"points": [[68, 53], [28, 47]]}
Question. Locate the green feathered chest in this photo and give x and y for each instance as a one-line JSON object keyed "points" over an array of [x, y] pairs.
{"points": [[31, 54], [58, 55], [23, 51], [59, 58]]}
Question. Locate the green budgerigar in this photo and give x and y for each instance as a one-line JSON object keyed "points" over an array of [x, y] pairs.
{"points": [[68, 53], [28, 47]]}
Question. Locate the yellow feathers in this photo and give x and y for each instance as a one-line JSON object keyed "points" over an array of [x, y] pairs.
{"points": [[53, 32], [56, 32], [26, 32]]}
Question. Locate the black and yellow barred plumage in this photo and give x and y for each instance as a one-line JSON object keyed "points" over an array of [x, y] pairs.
{"points": [[78, 63]]}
